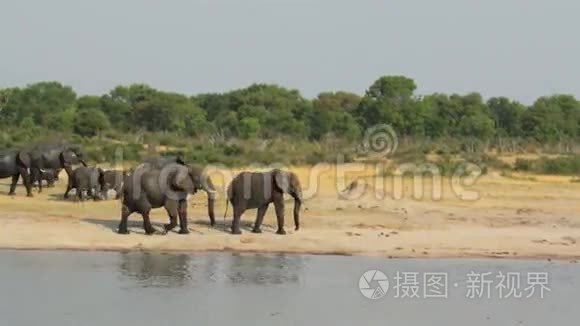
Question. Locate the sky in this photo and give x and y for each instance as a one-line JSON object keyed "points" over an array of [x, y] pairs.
{"points": [[522, 49]]}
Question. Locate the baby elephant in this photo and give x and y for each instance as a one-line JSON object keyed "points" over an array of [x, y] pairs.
{"points": [[257, 190], [114, 180], [48, 175], [89, 179]]}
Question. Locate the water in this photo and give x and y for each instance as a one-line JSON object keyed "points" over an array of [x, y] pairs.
{"points": [[82, 288]]}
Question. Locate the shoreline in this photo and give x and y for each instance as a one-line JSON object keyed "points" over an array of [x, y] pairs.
{"points": [[450, 242], [551, 258], [513, 219]]}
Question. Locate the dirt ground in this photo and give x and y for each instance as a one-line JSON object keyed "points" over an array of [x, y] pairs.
{"points": [[498, 216]]}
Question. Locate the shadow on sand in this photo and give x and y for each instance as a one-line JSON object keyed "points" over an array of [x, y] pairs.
{"points": [[136, 226]]}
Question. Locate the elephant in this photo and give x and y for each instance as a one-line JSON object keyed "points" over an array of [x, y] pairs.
{"points": [[50, 176], [168, 185], [257, 190], [30, 163], [13, 164], [114, 180], [89, 179], [43, 157]]}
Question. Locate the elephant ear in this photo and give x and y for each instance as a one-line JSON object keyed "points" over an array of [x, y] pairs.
{"points": [[24, 159], [282, 180], [183, 180], [200, 178], [67, 157]]}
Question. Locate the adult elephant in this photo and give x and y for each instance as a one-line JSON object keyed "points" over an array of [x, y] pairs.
{"points": [[14, 164], [257, 190], [43, 157], [89, 179], [165, 185], [30, 163]]}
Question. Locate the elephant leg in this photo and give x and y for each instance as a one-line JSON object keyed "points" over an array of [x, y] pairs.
{"points": [[104, 195], [13, 184], [39, 181], [172, 210], [149, 229], [125, 212], [260, 218], [68, 189], [238, 211], [118, 192], [279, 205], [183, 217], [95, 193], [80, 195], [27, 183]]}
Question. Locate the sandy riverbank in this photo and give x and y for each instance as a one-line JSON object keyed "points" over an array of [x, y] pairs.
{"points": [[513, 217]]}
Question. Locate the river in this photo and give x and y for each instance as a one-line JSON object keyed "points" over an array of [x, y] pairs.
{"points": [[138, 288]]}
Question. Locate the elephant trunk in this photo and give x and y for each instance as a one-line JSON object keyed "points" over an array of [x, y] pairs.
{"points": [[68, 169], [211, 196], [210, 207], [297, 205]]}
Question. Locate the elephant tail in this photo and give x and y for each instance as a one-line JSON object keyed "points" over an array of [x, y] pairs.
{"points": [[226, 213]]}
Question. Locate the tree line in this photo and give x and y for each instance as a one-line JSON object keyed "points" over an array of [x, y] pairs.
{"points": [[263, 111]]}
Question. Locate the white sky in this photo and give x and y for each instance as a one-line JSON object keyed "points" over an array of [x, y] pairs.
{"points": [[521, 49]]}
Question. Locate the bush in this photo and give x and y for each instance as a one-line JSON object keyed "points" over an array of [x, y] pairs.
{"points": [[107, 152], [523, 165], [565, 165]]}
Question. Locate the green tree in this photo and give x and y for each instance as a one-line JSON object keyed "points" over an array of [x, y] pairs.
{"points": [[552, 118], [61, 121], [90, 122], [89, 102], [390, 100], [27, 123], [195, 120], [249, 127], [331, 113], [507, 115], [280, 111], [338, 100], [38, 101], [121, 103]]}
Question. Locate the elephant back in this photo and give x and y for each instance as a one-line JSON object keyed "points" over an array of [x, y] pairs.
{"points": [[8, 164], [162, 161], [8, 156]]}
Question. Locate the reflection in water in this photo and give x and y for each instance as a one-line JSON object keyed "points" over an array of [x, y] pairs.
{"points": [[169, 270], [263, 269], [64, 288], [155, 269]]}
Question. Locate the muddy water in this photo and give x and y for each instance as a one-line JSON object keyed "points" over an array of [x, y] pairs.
{"points": [[81, 288]]}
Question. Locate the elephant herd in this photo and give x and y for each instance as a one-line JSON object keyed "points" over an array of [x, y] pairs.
{"points": [[158, 182]]}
